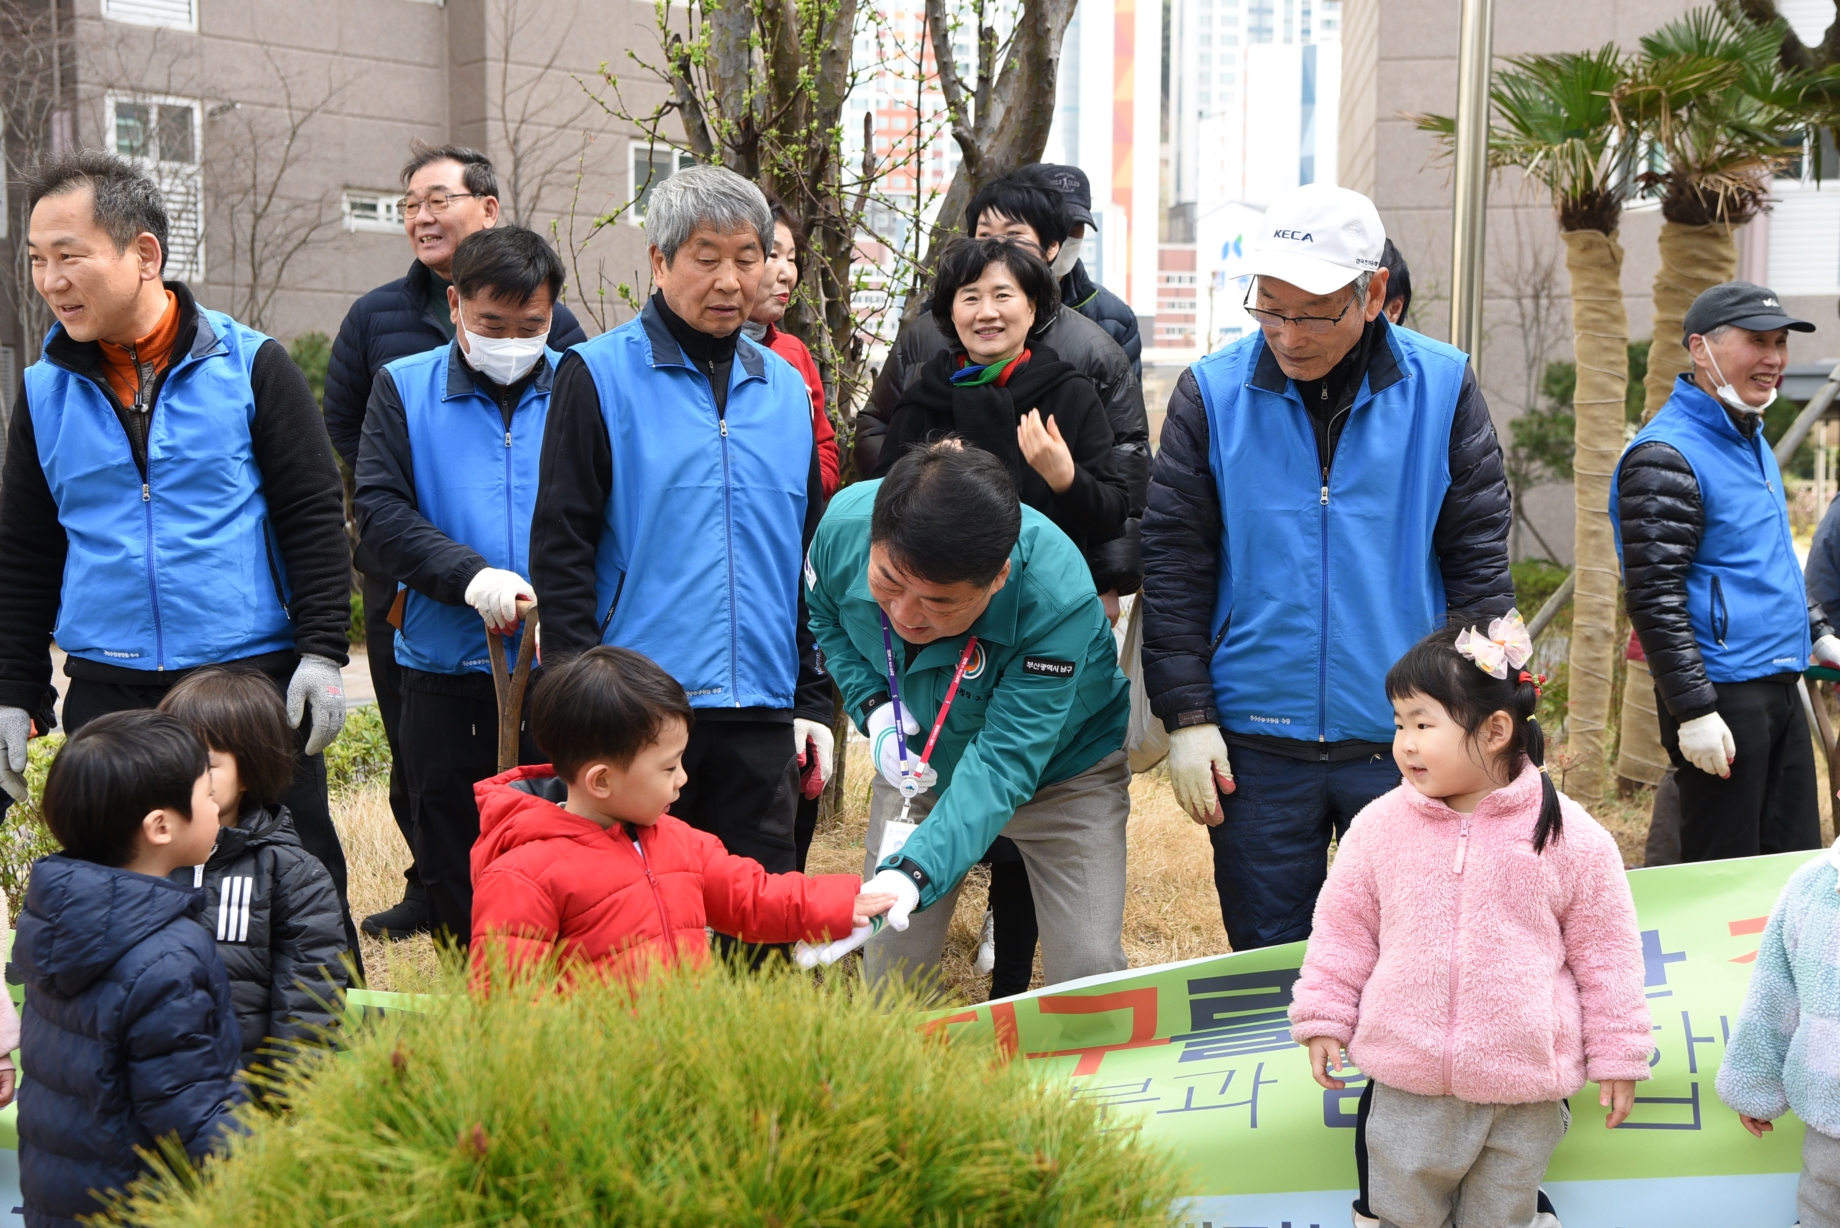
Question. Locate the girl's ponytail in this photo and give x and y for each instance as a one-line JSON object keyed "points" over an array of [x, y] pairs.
{"points": [[1527, 698]]}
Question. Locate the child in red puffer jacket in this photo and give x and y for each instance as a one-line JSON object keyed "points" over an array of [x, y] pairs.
{"points": [[580, 858]]}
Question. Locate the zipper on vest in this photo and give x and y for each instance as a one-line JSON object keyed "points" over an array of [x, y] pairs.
{"points": [[728, 526], [1322, 643], [153, 584]]}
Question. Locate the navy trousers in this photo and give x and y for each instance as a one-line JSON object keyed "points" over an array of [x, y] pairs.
{"points": [[1271, 852]]}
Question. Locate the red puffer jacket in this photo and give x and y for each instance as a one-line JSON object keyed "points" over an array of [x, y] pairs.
{"points": [[545, 879]]}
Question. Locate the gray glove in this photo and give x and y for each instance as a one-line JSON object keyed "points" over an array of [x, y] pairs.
{"points": [[316, 689], [15, 729]]}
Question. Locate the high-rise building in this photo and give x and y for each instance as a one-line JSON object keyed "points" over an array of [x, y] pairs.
{"points": [[1107, 117], [1254, 91]]}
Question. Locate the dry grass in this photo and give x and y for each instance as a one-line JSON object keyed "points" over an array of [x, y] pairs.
{"points": [[375, 857]]}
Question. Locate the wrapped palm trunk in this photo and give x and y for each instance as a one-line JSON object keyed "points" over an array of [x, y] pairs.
{"points": [[1600, 341], [1640, 759], [1693, 260]]}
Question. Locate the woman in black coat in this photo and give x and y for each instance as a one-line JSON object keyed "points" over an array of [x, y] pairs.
{"points": [[1021, 402]]}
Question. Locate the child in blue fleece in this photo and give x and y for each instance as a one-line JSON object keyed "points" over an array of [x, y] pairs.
{"points": [[1786, 1052]]}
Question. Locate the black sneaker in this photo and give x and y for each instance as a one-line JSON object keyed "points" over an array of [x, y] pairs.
{"points": [[405, 920]]}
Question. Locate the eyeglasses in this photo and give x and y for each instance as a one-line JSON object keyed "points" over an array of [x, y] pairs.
{"points": [[437, 202], [1271, 321]]}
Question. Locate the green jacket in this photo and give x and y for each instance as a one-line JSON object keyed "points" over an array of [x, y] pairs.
{"points": [[1042, 701]]}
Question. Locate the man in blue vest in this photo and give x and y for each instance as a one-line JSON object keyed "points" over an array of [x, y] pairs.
{"points": [[1715, 591], [1328, 490], [680, 486], [449, 193], [446, 483], [168, 500]]}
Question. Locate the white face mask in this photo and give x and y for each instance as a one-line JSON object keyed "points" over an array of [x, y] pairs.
{"points": [[503, 360], [1730, 396], [1066, 258]]}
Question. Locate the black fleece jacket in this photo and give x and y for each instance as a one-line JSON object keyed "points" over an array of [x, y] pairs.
{"points": [[1182, 529], [1116, 564], [574, 482], [299, 481], [1662, 519], [1090, 511]]}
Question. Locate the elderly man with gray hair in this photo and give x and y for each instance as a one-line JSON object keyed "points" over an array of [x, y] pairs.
{"points": [[678, 488]]}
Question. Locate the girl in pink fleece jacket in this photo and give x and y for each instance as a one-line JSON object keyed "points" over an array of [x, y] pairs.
{"points": [[1474, 949]]}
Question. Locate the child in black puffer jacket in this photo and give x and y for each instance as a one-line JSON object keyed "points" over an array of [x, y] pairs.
{"points": [[269, 903]]}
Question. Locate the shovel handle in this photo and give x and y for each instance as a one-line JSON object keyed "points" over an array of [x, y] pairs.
{"points": [[510, 684]]}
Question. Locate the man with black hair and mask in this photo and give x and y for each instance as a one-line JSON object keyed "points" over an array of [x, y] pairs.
{"points": [[1714, 588], [1078, 290], [446, 485]]}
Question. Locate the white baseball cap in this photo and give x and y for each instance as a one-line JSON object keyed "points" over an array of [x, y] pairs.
{"points": [[1318, 238]]}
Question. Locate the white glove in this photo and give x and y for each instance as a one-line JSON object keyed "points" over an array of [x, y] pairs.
{"points": [[494, 592], [15, 731], [1199, 771], [886, 749], [1827, 651], [819, 734], [906, 895], [1705, 742], [317, 690]]}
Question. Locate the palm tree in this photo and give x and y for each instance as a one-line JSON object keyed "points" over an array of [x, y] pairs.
{"points": [[1556, 125], [1711, 102]]}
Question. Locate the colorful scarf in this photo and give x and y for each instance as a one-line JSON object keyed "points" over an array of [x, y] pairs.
{"points": [[968, 376]]}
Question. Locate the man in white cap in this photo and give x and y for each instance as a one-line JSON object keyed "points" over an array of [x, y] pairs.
{"points": [[1328, 491]]}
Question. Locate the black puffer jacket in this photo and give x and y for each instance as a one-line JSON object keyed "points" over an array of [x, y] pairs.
{"points": [[1470, 537], [1077, 340], [1661, 518], [271, 907], [394, 321], [1092, 300]]}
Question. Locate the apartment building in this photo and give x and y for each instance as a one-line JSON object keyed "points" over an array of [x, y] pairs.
{"points": [[277, 130]]}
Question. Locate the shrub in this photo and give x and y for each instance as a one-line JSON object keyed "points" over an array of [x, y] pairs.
{"points": [[360, 754], [24, 838], [716, 1098]]}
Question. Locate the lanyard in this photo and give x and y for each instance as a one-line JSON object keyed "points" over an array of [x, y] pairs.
{"points": [[910, 787]]}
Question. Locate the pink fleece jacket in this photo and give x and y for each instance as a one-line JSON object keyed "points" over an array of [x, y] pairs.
{"points": [[1453, 960]]}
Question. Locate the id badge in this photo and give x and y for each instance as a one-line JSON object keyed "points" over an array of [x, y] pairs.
{"points": [[894, 838]]}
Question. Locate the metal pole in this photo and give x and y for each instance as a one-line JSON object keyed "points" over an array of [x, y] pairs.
{"points": [[1476, 39]]}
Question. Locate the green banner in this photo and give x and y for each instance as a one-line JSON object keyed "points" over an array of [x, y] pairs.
{"points": [[1199, 1056]]}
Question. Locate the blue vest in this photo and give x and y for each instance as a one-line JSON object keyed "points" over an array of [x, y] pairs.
{"points": [[1744, 590], [699, 561], [1323, 585], [475, 481], [184, 569]]}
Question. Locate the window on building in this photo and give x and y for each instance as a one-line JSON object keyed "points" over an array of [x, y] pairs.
{"points": [[372, 210], [162, 136], [173, 14], [9, 377], [1259, 21], [651, 166]]}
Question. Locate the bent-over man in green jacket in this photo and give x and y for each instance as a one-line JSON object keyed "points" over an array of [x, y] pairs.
{"points": [[935, 575]]}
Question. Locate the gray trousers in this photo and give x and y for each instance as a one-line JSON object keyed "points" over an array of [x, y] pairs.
{"points": [[1072, 838], [1817, 1195], [1436, 1160]]}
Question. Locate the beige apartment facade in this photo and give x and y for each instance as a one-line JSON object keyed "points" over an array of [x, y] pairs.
{"points": [[1399, 58], [277, 130]]}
